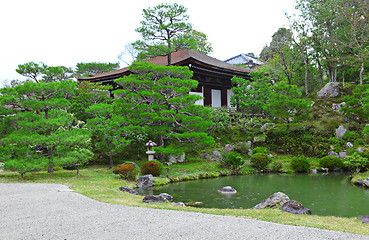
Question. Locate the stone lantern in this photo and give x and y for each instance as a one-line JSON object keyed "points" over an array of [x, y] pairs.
{"points": [[150, 153]]}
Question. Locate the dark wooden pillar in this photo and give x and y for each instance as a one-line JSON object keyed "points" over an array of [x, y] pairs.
{"points": [[207, 96]]}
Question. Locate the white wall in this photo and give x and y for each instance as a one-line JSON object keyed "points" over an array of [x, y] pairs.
{"points": [[201, 101]]}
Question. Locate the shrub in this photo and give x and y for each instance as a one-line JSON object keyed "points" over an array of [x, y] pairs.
{"points": [[127, 171], [300, 164], [350, 136], [153, 167], [241, 147], [331, 162], [259, 150], [232, 161], [356, 162], [276, 166], [260, 161]]}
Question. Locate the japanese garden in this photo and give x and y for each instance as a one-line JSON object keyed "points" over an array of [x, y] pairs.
{"points": [[177, 125]]}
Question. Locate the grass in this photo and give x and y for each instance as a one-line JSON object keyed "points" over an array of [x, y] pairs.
{"points": [[100, 184]]}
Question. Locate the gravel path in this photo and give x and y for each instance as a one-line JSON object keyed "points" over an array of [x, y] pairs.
{"points": [[50, 211]]}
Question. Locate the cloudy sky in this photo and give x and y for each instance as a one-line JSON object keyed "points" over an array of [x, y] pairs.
{"points": [[65, 32]]}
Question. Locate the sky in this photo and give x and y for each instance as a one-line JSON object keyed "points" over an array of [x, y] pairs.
{"points": [[66, 32]]}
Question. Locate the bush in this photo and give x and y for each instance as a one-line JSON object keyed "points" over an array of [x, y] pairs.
{"points": [[276, 166], [300, 164], [127, 171], [153, 167], [356, 162], [259, 150], [232, 161], [350, 136], [260, 161], [241, 147], [331, 162]]}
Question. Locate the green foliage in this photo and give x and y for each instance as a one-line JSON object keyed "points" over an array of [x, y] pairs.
{"points": [[260, 161], [305, 141], [357, 162], [232, 160], [153, 167], [276, 166], [128, 171], [241, 147], [259, 150], [300, 164], [92, 68], [350, 136], [331, 162], [155, 100]]}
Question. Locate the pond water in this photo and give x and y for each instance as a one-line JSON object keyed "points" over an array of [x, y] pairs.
{"points": [[326, 195]]}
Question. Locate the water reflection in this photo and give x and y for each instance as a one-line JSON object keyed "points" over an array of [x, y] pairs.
{"points": [[330, 194]]}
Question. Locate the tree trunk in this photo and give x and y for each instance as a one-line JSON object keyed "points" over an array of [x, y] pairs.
{"points": [[343, 78], [362, 71], [50, 169]]}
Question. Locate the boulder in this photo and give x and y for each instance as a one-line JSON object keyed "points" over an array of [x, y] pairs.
{"points": [[163, 197], [295, 207], [216, 156], [330, 90], [360, 149], [275, 200], [228, 148], [249, 143], [250, 153], [342, 154], [179, 204], [336, 107], [366, 182], [340, 131], [267, 126], [145, 181], [129, 190], [349, 145], [204, 155], [227, 190], [314, 171], [333, 154], [177, 158], [364, 218]]}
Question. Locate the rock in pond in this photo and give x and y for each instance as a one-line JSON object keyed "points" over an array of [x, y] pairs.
{"points": [[227, 190], [163, 197], [275, 200], [129, 190], [295, 207], [364, 218], [179, 204], [145, 181]]}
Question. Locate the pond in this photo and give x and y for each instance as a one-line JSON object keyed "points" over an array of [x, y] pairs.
{"points": [[324, 194]]}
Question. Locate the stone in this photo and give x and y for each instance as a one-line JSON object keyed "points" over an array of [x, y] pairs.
{"points": [[260, 138], [349, 145], [194, 204], [336, 107], [228, 148], [163, 197], [340, 131], [267, 126], [129, 190], [179, 204], [250, 153], [227, 190], [216, 156], [314, 171], [360, 149], [295, 207], [366, 182], [275, 200], [330, 90], [333, 154], [342, 154], [249, 143], [145, 181], [177, 158], [364, 218], [204, 155]]}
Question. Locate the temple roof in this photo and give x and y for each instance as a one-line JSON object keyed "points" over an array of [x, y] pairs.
{"points": [[179, 58]]}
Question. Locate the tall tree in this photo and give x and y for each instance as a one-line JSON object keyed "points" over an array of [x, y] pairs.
{"points": [[155, 100], [165, 29], [88, 69]]}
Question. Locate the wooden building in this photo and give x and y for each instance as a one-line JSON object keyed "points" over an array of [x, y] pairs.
{"points": [[214, 76]]}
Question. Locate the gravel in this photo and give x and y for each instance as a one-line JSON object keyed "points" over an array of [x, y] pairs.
{"points": [[53, 211]]}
